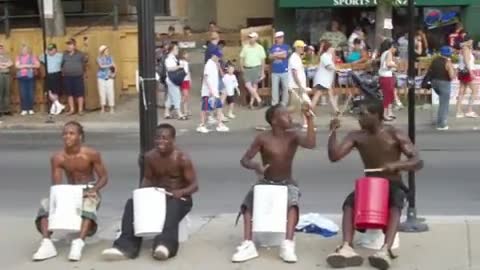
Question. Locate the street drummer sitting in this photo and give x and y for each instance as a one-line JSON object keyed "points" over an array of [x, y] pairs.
{"points": [[380, 147], [170, 169], [277, 149], [80, 164]]}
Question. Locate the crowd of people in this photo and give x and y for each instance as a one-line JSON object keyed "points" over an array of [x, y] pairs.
{"points": [[64, 76]]}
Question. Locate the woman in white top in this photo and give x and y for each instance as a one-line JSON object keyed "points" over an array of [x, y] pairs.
{"points": [[186, 84], [466, 78], [174, 96], [387, 81], [325, 76]]}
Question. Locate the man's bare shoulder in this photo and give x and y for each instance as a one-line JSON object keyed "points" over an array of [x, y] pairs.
{"points": [[90, 151], [58, 156], [183, 156], [151, 154]]}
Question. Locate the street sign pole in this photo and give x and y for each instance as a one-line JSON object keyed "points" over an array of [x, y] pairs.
{"points": [[412, 224], [148, 85]]}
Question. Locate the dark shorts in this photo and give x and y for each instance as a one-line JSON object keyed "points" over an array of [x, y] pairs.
{"points": [[230, 99], [74, 86], [397, 197], [54, 83], [207, 107], [320, 87]]}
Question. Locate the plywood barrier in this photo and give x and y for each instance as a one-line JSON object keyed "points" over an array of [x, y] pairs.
{"points": [[123, 47]]}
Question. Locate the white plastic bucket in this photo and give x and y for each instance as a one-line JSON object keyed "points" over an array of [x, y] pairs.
{"points": [[149, 207], [270, 204], [65, 210], [374, 239]]}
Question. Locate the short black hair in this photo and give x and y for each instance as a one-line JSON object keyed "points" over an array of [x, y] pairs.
{"points": [[171, 128], [171, 28], [79, 127], [357, 41], [186, 27], [374, 106], [271, 112]]}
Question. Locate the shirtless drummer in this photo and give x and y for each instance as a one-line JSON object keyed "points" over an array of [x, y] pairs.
{"points": [[80, 165], [168, 167], [277, 149], [380, 146]]}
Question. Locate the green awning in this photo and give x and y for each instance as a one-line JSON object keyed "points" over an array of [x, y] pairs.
{"points": [[365, 3]]}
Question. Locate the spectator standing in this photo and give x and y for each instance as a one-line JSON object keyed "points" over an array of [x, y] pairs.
{"points": [[356, 34], [325, 76], [334, 35], [387, 81], [27, 66], [231, 86], [466, 78], [441, 74], [106, 78], [53, 79], [252, 63], [187, 84], [297, 77], [172, 64], [455, 38], [5, 65], [358, 54], [279, 57], [73, 69], [211, 96]]}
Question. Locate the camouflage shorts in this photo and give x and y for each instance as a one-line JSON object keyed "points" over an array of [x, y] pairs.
{"points": [[89, 211], [293, 194]]}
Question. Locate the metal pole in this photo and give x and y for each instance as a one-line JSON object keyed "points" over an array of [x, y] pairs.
{"points": [[412, 224], [115, 15], [7, 19], [147, 92]]}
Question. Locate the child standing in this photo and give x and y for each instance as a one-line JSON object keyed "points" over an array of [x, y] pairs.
{"points": [[231, 86], [210, 96], [186, 85]]}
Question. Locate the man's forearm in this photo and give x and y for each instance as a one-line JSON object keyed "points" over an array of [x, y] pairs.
{"points": [[332, 145], [189, 190], [101, 183]]}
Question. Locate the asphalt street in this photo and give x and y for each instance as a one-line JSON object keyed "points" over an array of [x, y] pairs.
{"points": [[448, 185]]}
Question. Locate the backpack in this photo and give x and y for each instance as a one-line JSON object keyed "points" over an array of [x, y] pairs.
{"points": [[162, 69]]}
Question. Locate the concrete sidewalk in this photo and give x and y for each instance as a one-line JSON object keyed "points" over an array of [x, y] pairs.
{"points": [[450, 245], [126, 118]]}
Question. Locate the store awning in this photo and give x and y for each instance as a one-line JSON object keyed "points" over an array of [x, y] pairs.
{"points": [[366, 3]]}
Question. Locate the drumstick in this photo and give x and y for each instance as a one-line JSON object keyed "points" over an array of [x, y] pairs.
{"points": [[296, 94], [171, 194], [373, 170]]}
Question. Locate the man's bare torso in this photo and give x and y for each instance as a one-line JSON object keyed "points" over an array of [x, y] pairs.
{"points": [[79, 167], [278, 153], [167, 172], [376, 150]]}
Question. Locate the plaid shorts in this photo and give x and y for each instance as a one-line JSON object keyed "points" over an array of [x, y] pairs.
{"points": [[89, 210]]}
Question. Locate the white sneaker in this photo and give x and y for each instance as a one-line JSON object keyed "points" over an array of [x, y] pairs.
{"points": [[460, 115], [60, 107], [246, 251], [23, 113], [202, 129], [31, 112], [222, 128], [161, 253], [46, 250], [442, 128], [287, 251], [53, 108], [471, 115], [76, 250], [231, 116], [212, 120], [113, 254]]}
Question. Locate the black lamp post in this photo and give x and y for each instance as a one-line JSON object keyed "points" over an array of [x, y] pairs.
{"points": [[148, 85], [412, 224]]}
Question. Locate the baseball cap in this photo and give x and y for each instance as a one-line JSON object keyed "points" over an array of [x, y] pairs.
{"points": [[72, 41], [279, 34], [446, 51], [299, 43], [253, 35], [51, 46]]}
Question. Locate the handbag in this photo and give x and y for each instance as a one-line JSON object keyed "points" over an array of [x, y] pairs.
{"points": [[177, 76]]}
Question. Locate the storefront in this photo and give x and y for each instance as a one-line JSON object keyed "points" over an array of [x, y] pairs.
{"points": [[307, 19]]}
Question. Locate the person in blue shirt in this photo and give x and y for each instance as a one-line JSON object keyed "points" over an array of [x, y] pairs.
{"points": [[279, 56], [53, 79]]}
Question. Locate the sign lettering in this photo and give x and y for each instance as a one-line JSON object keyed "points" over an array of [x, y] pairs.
{"points": [[357, 3]]}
